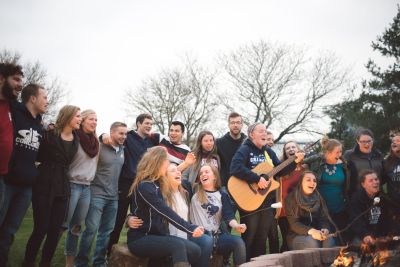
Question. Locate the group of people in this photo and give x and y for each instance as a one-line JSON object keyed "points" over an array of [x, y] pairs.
{"points": [[175, 201]]}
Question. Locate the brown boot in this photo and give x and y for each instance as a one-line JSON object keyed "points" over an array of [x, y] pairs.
{"points": [[69, 260]]}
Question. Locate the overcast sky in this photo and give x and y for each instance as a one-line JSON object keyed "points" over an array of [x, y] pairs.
{"points": [[101, 48]]}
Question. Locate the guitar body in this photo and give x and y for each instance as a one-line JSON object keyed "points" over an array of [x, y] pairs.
{"points": [[247, 196]]}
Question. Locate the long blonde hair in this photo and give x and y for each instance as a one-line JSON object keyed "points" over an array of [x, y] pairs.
{"points": [[201, 193], [148, 169], [65, 115], [170, 199], [86, 113]]}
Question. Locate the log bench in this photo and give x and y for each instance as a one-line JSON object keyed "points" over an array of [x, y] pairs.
{"points": [[122, 257]]}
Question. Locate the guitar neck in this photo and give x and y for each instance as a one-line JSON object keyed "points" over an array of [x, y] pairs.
{"points": [[281, 166]]}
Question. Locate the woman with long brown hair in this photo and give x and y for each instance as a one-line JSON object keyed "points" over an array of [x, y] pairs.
{"points": [[307, 215], [149, 193], [51, 192], [205, 151], [287, 184]]}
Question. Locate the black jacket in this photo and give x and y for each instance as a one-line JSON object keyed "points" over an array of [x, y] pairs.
{"points": [[55, 160], [28, 132], [376, 221], [358, 161], [391, 176], [148, 204], [226, 148], [134, 148]]}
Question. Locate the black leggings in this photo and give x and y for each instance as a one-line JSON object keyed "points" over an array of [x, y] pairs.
{"points": [[258, 225], [47, 222]]}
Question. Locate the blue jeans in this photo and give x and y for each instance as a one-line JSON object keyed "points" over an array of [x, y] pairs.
{"points": [[226, 244], [101, 218], [306, 241], [16, 203], [2, 193], [77, 210], [156, 246]]}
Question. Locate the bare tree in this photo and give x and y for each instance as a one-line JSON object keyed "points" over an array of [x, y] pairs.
{"points": [[184, 93], [36, 73], [280, 85]]}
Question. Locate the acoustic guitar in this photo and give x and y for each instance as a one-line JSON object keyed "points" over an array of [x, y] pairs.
{"points": [[248, 196]]}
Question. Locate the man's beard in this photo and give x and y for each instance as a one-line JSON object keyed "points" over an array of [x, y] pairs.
{"points": [[7, 91]]}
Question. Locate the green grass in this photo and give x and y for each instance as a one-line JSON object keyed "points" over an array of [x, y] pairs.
{"points": [[17, 251]]}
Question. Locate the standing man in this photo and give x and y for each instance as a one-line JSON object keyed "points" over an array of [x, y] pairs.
{"points": [[391, 168], [270, 139], [22, 171], [10, 85], [104, 198], [229, 144], [178, 153], [362, 157], [136, 144]]}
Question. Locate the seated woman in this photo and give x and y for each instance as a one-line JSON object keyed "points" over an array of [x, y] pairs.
{"points": [[148, 192], [209, 207], [307, 216]]}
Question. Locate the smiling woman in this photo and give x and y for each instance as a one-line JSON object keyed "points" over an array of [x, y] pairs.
{"points": [[307, 215]]}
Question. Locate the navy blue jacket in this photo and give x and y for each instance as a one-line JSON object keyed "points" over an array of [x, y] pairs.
{"points": [[134, 148], [149, 205], [28, 133], [249, 156]]}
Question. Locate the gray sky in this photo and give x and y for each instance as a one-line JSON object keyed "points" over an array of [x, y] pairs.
{"points": [[100, 48]]}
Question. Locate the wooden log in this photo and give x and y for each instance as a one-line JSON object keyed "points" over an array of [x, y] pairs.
{"points": [[122, 257]]}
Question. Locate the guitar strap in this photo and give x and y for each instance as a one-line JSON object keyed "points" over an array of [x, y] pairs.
{"points": [[268, 159]]}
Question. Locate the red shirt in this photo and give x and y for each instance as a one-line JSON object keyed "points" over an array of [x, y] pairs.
{"points": [[288, 183], [6, 136]]}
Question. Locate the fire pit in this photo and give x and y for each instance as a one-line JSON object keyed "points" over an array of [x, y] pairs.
{"points": [[385, 252]]}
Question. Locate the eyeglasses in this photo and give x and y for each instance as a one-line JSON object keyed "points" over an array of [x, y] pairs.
{"points": [[235, 123], [367, 142]]}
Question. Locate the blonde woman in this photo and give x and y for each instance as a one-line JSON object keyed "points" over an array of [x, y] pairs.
{"points": [[81, 173], [148, 192], [51, 192]]}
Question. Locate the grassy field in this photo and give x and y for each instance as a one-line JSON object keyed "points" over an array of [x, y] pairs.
{"points": [[18, 249]]}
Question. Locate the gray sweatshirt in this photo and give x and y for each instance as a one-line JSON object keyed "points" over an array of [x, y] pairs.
{"points": [[82, 168], [105, 183]]}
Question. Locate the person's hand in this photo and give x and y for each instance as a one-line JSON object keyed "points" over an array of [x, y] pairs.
{"points": [[134, 222], [199, 231], [299, 157], [262, 183], [106, 138], [316, 234], [325, 233], [369, 240], [241, 228], [190, 159]]}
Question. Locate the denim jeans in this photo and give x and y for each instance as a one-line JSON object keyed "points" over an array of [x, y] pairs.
{"points": [[101, 218], [226, 244], [77, 210], [306, 241], [2, 193], [16, 203], [156, 246]]}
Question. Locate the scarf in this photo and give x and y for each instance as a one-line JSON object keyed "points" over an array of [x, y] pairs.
{"points": [[311, 203], [89, 143]]}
